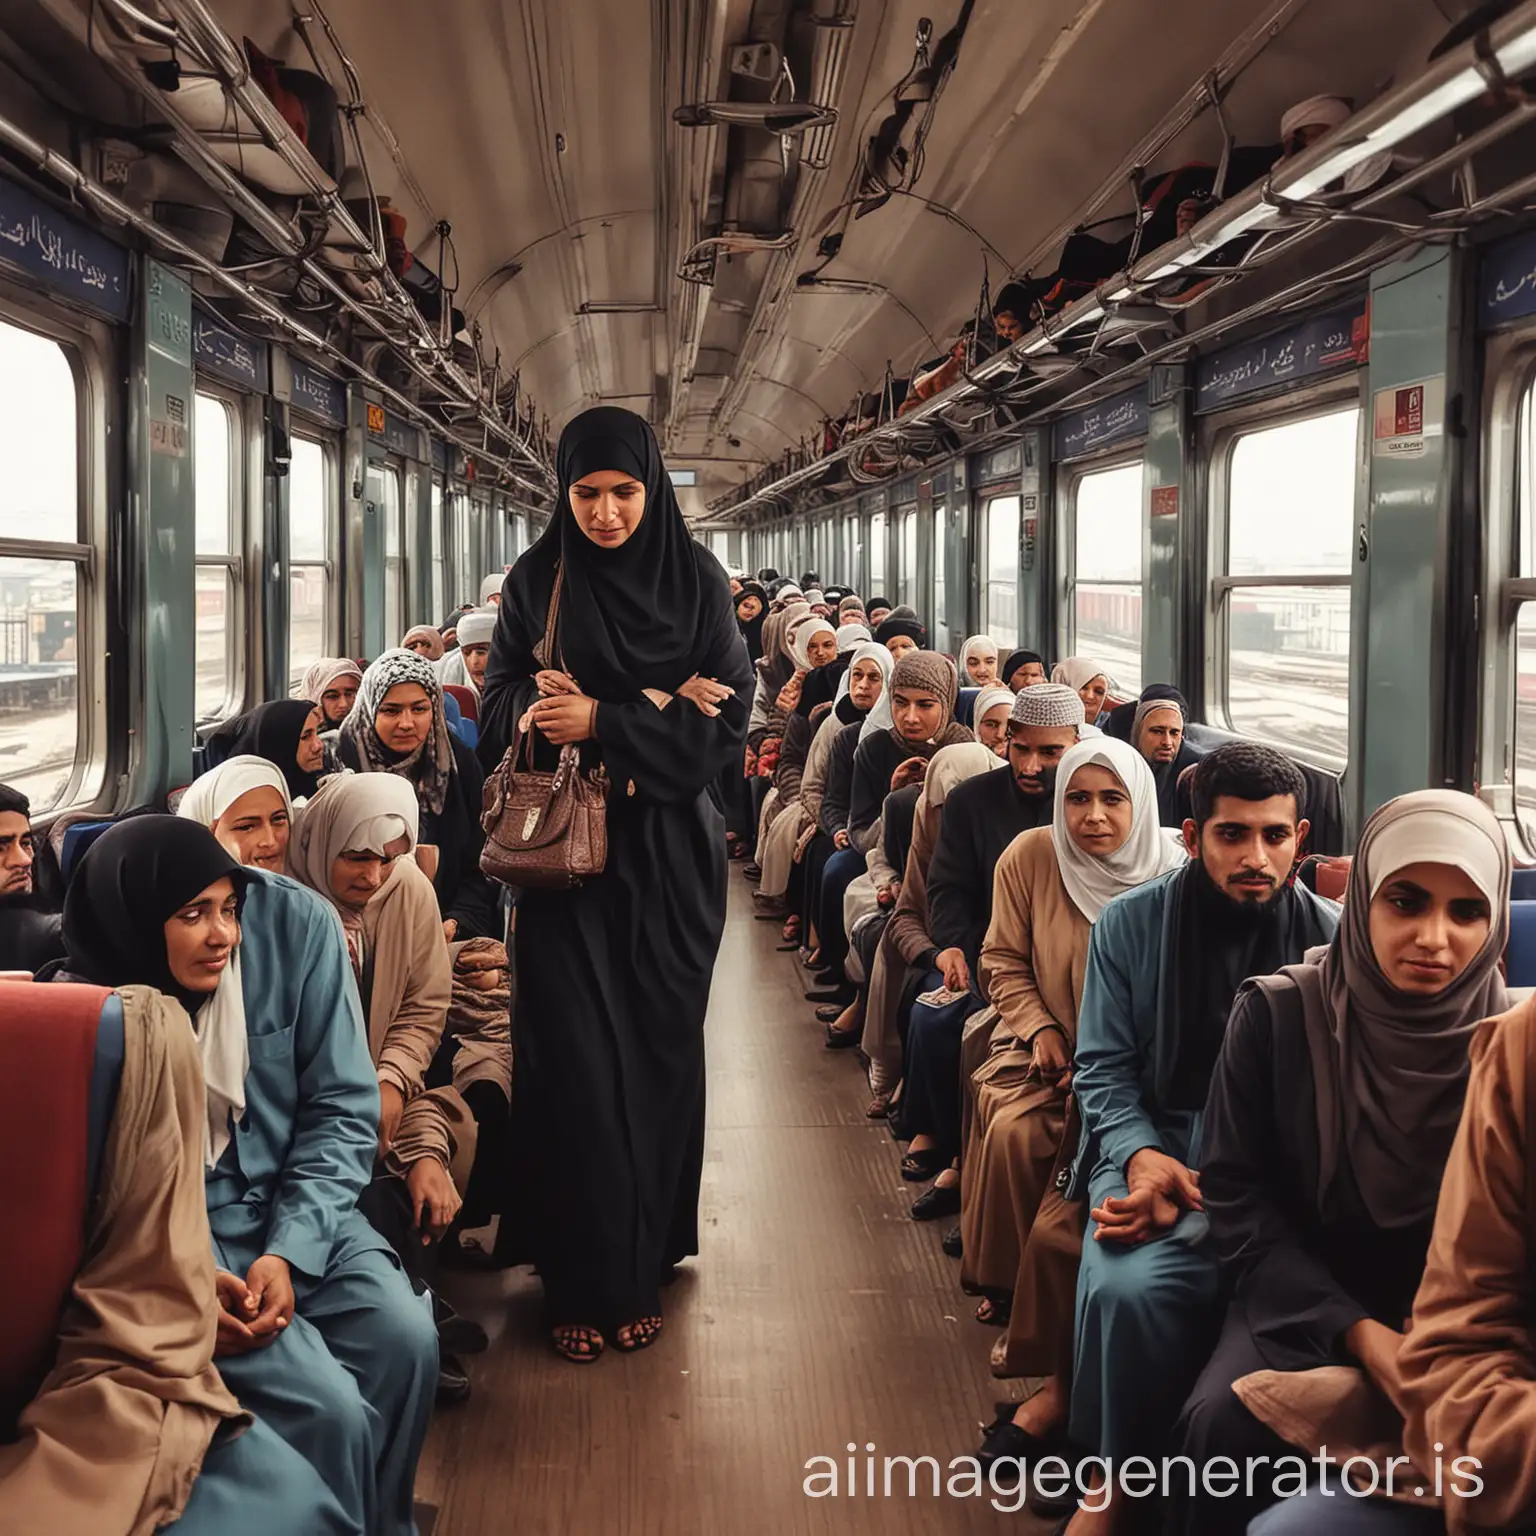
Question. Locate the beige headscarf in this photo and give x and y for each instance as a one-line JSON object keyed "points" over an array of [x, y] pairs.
{"points": [[324, 672], [207, 798], [355, 813]]}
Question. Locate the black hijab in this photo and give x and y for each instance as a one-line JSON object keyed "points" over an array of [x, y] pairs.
{"points": [[1017, 659], [1122, 723], [901, 620], [132, 880], [633, 617], [272, 731], [821, 684], [752, 629]]}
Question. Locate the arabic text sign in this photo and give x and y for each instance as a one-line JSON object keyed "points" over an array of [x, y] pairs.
{"points": [[1507, 288], [228, 355], [1099, 426], [1339, 339], [318, 393], [66, 255]]}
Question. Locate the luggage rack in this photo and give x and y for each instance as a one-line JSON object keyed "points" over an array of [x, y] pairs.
{"points": [[1507, 47]]}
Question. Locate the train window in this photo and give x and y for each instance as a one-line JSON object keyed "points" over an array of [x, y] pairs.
{"points": [[877, 552], [1523, 662], [40, 592], [1106, 587], [1290, 530], [908, 574], [940, 617], [439, 581], [309, 548], [1000, 592], [391, 508], [219, 541]]}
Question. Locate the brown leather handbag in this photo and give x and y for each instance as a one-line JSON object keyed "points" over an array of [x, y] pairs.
{"points": [[544, 831]]}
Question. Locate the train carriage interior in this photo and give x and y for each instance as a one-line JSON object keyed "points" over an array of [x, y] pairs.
{"points": [[1136, 399]]}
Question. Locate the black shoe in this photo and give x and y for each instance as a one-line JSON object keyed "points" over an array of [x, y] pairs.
{"points": [[951, 1244], [923, 1167], [458, 1335], [829, 1013], [842, 1039], [452, 1380], [752, 872], [1003, 1438], [941, 1200], [842, 996]]}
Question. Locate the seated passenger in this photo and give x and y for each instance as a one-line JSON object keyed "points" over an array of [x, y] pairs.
{"points": [[978, 662], [285, 732], [426, 642], [1164, 963], [397, 726], [981, 819], [29, 937], [465, 666], [1023, 669], [850, 610], [319, 1334], [1020, 1241], [353, 847], [900, 631], [1012, 315], [992, 709], [906, 952], [1467, 1372], [490, 590], [1332, 1111], [132, 1429], [1157, 732], [244, 803], [332, 683], [1090, 680], [878, 609], [751, 612], [449, 628]]}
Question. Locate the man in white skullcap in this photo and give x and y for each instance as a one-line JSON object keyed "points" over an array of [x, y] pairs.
{"points": [[475, 631], [981, 818], [490, 590]]}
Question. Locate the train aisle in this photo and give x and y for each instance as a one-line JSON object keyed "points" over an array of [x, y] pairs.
{"points": [[818, 1314]]}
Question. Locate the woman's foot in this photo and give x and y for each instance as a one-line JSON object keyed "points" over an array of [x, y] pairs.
{"points": [[639, 1334], [792, 929], [577, 1342], [994, 1311]]}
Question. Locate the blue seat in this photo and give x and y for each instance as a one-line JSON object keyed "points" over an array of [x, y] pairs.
{"points": [[965, 707], [77, 839], [1520, 956], [1522, 883]]}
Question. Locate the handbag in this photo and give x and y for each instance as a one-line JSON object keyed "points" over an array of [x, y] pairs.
{"points": [[543, 830]]}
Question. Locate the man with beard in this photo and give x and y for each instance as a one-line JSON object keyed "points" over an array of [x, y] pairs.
{"points": [[981, 817], [1164, 964], [29, 938]]}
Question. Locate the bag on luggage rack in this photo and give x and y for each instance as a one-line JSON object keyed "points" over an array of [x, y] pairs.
{"points": [[544, 831]]}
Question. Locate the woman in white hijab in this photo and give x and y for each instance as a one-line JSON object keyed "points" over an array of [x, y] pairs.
{"points": [[460, 668], [1050, 887], [244, 802], [978, 662], [354, 845], [989, 717], [1092, 682]]}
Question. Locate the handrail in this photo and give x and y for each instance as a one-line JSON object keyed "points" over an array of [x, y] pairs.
{"points": [[1445, 85]]}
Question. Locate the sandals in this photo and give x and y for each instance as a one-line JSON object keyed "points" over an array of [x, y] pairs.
{"points": [[994, 1311], [576, 1342], [643, 1332], [922, 1167], [792, 931]]}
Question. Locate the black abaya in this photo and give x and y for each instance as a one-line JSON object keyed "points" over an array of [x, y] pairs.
{"points": [[613, 977]]}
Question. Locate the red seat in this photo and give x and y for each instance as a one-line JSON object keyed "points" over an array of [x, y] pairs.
{"points": [[467, 700], [48, 1060]]}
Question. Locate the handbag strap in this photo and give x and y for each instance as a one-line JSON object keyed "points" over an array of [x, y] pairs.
{"points": [[547, 644]]}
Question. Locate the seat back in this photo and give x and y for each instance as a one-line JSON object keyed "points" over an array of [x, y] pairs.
{"points": [[61, 1057], [1520, 956], [965, 707], [466, 698], [1522, 883], [77, 839]]}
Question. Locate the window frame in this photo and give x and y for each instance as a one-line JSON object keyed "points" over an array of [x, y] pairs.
{"points": [[330, 459], [90, 347], [236, 563], [985, 496], [1219, 439], [1070, 477]]}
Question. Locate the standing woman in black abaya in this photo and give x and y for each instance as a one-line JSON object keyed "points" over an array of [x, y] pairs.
{"points": [[649, 673]]}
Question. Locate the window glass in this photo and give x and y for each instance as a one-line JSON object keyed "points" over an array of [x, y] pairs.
{"points": [[1106, 592], [909, 559], [439, 573], [39, 439], [1000, 594], [215, 607], [1290, 520], [39, 713], [1523, 661], [877, 553], [391, 506], [309, 519], [940, 611], [212, 484]]}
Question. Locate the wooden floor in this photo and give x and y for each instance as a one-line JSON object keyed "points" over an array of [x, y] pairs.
{"points": [[817, 1314]]}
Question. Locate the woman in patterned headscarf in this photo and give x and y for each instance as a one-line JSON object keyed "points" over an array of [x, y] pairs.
{"points": [[397, 726]]}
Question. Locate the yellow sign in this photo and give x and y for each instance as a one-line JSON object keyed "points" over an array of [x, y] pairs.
{"points": [[376, 420]]}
